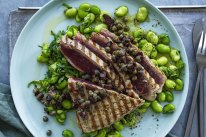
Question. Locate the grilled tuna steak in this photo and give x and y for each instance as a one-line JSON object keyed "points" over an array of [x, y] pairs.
{"points": [[97, 108], [131, 72], [86, 61], [104, 55], [154, 72]]}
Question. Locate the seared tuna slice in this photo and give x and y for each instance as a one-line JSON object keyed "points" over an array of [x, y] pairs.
{"points": [[131, 72], [86, 61], [101, 53], [98, 108], [144, 60]]}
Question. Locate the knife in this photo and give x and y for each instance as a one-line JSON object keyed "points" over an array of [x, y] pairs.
{"points": [[197, 29], [159, 7]]}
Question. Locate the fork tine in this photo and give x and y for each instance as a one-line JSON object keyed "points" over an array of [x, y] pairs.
{"points": [[199, 49], [204, 45]]}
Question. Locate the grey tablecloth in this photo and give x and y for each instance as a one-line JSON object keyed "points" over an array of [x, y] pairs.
{"points": [[11, 125]]}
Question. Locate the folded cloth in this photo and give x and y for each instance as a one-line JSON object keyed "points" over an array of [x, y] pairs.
{"points": [[10, 123]]}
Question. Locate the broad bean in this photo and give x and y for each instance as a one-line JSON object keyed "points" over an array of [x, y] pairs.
{"points": [[118, 126], [138, 33], [114, 134], [153, 53], [152, 37], [142, 14], [162, 61], [164, 39], [99, 27], [169, 96], [156, 107], [95, 10], [162, 48], [42, 59], [161, 97], [67, 104], [82, 13], [101, 133], [154, 62], [147, 48], [85, 6], [67, 133], [70, 13], [170, 84], [175, 55], [179, 84], [121, 11], [169, 108]]}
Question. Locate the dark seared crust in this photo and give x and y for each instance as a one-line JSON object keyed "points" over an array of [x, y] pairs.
{"points": [[104, 113]]}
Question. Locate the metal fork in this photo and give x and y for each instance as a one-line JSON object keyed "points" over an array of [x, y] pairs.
{"points": [[201, 64]]}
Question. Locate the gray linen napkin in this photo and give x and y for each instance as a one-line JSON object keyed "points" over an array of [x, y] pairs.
{"points": [[10, 123]]}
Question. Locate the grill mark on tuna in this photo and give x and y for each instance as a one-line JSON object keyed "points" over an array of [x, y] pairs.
{"points": [[99, 115], [106, 111], [125, 103], [118, 104], [112, 107]]}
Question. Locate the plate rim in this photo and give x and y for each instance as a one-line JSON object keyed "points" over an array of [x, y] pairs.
{"points": [[186, 81]]}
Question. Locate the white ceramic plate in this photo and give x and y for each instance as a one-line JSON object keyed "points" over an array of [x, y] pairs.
{"points": [[24, 68]]}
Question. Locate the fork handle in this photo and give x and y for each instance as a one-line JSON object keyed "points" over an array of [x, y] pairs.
{"points": [[201, 106], [192, 109]]}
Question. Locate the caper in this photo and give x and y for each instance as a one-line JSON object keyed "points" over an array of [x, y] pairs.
{"points": [[107, 49], [125, 19], [119, 26], [45, 118], [134, 78], [126, 28], [49, 132], [114, 28]]}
